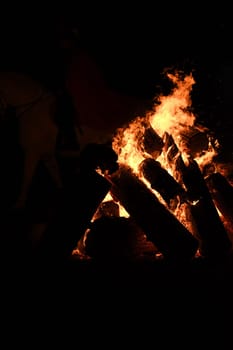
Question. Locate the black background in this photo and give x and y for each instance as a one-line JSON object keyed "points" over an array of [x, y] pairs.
{"points": [[131, 44]]}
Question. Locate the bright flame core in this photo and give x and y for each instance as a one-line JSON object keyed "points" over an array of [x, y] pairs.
{"points": [[171, 115], [126, 143]]}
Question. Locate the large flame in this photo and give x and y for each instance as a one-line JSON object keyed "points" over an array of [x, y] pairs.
{"points": [[170, 114]]}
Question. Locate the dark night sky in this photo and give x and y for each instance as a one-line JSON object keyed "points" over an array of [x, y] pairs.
{"points": [[130, 46]]}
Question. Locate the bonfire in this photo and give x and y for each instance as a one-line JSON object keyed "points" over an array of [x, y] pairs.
{"points": [[169, 181]]}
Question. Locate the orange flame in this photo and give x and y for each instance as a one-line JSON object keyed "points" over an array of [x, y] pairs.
{"points": [[126, 143], [171, 114]]}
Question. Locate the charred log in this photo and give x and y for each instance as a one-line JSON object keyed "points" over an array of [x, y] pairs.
{"points": [[222, 194], [161, 180], [194, 141], [152, 142], [192, 179], [220, 188], [162, 228], [213, 237]]}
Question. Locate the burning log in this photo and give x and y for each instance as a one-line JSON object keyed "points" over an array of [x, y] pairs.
{"points": [[194, 141], [161, 180], [161, 227], [213, 238], [170, 148], [222, 195], [152, 142], [192, 179], [221, 190]]}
